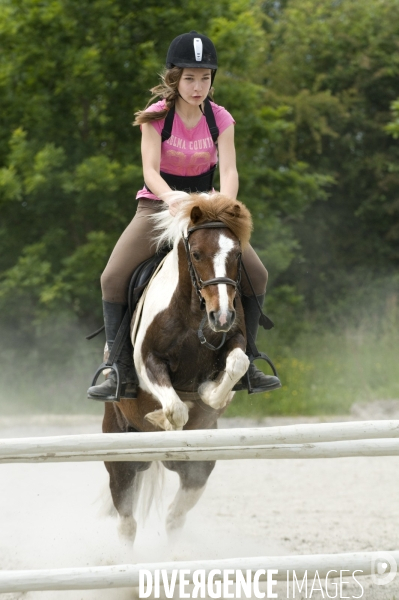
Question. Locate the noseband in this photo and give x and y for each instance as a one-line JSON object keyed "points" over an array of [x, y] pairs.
{"points": [[199, 285]]}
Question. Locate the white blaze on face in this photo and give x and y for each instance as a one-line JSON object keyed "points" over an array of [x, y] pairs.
{"points": [[219, 262]]}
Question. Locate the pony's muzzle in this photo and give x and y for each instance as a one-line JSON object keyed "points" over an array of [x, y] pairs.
{"points": [[221, 320]]}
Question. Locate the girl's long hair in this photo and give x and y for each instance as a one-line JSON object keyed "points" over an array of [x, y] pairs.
{"points": [[166, 90]]}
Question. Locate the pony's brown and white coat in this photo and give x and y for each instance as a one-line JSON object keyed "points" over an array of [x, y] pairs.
{"points": [[167, 352], [194, 209]]}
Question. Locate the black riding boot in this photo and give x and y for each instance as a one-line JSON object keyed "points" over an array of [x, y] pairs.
{"points": [[258, 380], [113, 316]]}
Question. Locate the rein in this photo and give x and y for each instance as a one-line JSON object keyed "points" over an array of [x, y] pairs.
{"points": [[199, 285]]}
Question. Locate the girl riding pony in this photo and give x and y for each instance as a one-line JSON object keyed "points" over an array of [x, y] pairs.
{"points": [[184, 135]]}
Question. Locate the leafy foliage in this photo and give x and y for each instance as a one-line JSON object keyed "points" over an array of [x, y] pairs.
{"points": [[72, 74], [337, 65], [313, 86]]}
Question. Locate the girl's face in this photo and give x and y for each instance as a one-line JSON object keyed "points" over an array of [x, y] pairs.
{"points": [[194, 85]]}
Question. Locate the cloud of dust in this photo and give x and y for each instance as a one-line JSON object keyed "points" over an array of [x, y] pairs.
{"points": [[48, 370], [61, 524]]}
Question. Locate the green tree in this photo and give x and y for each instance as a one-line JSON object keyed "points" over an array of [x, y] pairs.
{"points": [[72, 75], [337, 65], [393, 126]]}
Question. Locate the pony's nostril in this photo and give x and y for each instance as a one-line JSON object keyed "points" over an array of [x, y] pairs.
{"points": [[212, 316]]}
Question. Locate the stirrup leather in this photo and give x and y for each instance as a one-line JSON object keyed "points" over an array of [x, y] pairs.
{"points": [[111, 363]]}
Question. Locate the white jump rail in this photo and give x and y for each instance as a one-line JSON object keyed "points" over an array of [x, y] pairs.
{"points": [[128, 575], [321, 440]]}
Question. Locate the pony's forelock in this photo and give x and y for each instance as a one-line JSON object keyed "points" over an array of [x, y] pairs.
{"points": [[214, 207], [170, 228]]}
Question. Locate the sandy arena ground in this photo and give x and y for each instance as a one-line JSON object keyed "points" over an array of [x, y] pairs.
{"points": [[50, 513]]}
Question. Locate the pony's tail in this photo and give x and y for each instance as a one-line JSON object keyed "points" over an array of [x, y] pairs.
{"points": [[147, 490]]}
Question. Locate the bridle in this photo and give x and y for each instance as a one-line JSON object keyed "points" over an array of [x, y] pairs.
{"points": [[199, 285]]}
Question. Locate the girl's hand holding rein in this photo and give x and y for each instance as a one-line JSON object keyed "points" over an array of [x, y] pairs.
{"points": [[173, 203]]}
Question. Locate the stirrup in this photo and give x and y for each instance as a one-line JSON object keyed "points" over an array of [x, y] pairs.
{"points": [[115, 369], [252, 358], [124, 389]]}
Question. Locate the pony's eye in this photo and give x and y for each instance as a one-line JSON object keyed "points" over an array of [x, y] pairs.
{"points": [[196, 255]]}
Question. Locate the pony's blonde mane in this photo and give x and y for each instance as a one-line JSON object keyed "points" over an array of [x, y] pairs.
{"points": [[212, 207]]}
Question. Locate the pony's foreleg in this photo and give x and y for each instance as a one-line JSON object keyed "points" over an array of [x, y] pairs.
{"points": [[154, 378], [121, 483], [193, 478], [218, 393]]}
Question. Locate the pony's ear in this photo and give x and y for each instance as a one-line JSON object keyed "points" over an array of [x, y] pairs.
{"points": [[235, 210], [196, 214]]}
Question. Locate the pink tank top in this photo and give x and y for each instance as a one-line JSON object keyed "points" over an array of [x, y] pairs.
{"points": [[188, 152]]}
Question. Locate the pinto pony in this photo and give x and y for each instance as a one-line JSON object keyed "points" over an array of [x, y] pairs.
{"points": [[189, 342]]}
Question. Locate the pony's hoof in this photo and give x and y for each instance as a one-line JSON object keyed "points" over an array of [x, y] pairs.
{"points": [[177, 415], [158, 419], [127, 528], [210, 395], [174, 525]]}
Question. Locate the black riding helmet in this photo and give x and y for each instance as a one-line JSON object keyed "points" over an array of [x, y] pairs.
{"points": [[192, 50]]}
